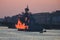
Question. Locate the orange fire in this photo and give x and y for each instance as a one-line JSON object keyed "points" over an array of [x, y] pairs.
{"points": [[21, 25]]}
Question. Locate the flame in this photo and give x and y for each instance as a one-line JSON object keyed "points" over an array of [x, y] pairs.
{"points": [[21, 25]]}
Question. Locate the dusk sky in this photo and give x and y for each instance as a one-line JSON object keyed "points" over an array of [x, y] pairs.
{"points": [[13, 7]]}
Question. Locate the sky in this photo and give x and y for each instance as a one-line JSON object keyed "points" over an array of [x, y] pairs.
{"points": [[14, 7]]}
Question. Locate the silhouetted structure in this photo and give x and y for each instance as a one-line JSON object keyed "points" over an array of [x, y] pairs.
{"points": [[35, 21], [28, 19]]}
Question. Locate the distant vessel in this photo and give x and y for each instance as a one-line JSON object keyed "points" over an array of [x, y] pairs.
{"points": [[27, 23]]}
